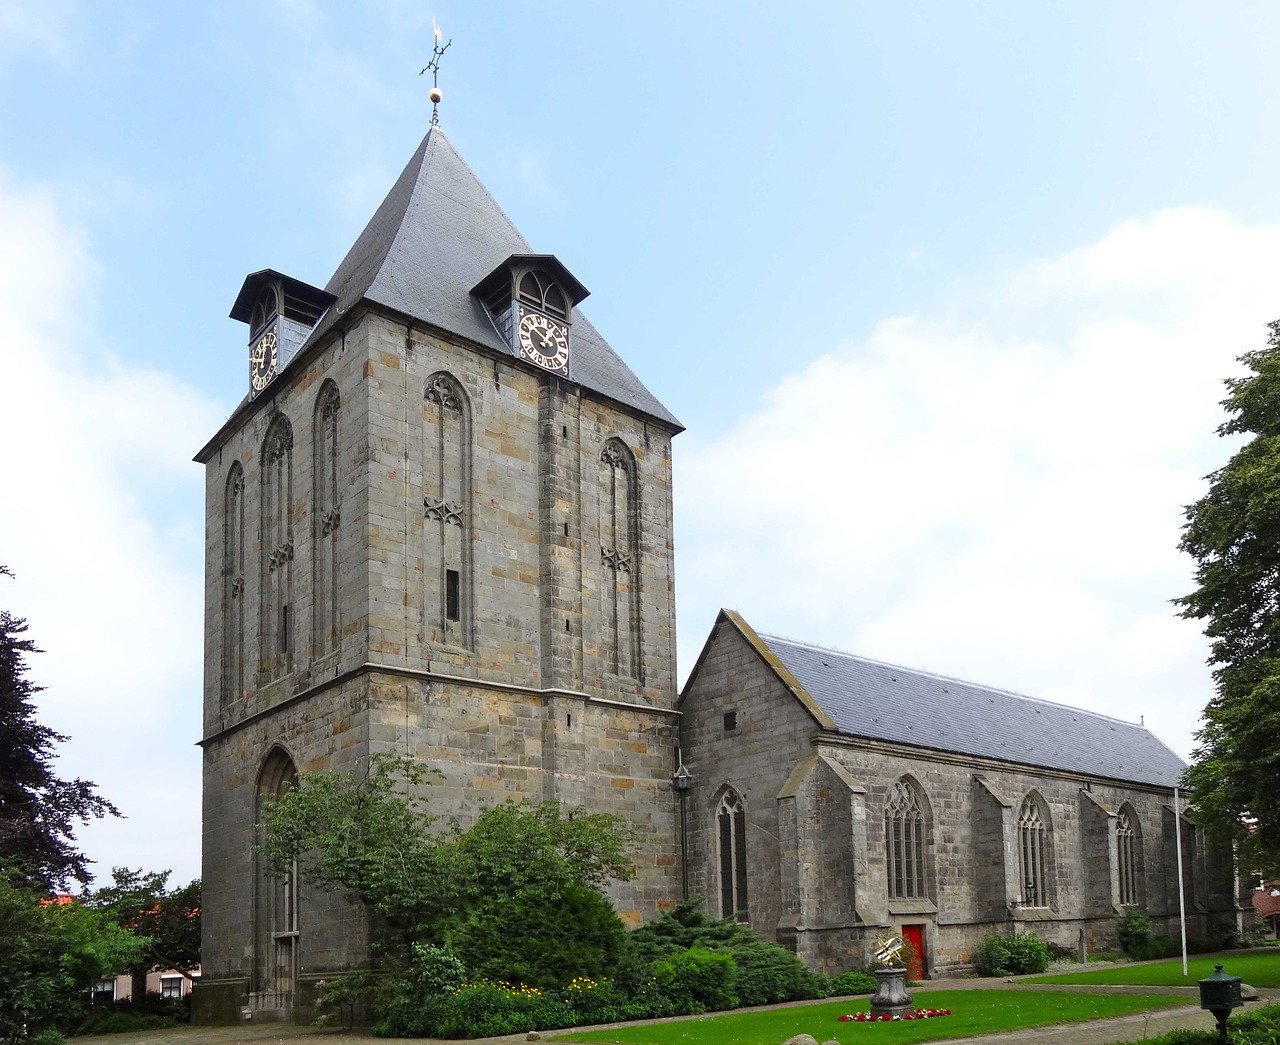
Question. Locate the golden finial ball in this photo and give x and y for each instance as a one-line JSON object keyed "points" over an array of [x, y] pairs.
{"points": [[435, 96]]}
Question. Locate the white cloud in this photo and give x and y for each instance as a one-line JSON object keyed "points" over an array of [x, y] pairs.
{"points": [[100, 520], [995, 491]]}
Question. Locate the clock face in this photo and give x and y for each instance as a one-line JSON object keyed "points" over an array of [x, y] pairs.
{"points": [[543, 341], [262, 361]]}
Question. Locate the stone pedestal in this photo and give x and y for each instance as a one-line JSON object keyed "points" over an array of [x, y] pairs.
{"points": [[891, 997]]}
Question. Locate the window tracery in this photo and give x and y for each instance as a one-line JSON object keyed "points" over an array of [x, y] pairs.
{"points": [[446, 504], [904, 835], [233, 592], [276, 646], [326, 519], [1033, 852], [619, 556], [731, 820], [1127, 857]]}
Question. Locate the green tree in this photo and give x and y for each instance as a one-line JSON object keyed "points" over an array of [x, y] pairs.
{"points": [[50, 953], [38, 810], [367, 832], [523, 875], [168, 919], [1233, 533]]}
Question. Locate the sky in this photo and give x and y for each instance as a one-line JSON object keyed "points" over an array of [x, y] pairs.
{"points": [[944, 294]]}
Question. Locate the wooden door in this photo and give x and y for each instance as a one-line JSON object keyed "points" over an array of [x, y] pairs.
{"points": [[914, 935]]}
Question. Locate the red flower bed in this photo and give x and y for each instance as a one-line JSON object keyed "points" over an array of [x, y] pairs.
{"points": [[919, 1014]]}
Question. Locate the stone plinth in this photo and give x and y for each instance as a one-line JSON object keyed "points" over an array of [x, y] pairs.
{"points": [[891, 997]]}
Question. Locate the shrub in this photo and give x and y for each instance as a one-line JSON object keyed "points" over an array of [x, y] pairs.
{"points": [[1133, 930], [487, 1009], [768, 973], [1058, 953], [537, 937], [685, 926], [407, 1004], [853, 982], [698, 980], [1012, 955], [48, 1036]]}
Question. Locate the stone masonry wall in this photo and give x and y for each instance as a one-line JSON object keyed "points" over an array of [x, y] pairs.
{"points": [[518, 706], [816, 847]]}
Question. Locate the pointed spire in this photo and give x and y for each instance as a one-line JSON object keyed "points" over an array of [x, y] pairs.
{"points": [[437, 234]]}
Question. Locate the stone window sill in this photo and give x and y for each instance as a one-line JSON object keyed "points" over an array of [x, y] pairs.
{"points": [[916, 906]]}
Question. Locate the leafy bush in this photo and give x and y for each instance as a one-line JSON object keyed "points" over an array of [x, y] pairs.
{"points": [[1159, 946], [1058, 953], [853, 982], [114, 1022], [698, 980], [48, 1036], [344, 994], [1012, 955], [406, 1000], [485, 1009], [685, 926], [539, 937], [1133, 930], [768, 973]]}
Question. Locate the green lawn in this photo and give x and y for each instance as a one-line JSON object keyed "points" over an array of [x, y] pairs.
{"points": [[974, 1012], [1258, 970]]}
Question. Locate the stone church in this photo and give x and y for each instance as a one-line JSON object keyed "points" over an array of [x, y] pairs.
{"points": [[440, 523]]}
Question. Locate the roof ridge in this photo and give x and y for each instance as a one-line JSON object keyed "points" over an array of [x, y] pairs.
{"points": [[952, 678]]}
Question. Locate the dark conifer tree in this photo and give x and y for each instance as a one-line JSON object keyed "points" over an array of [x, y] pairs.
{"points": [[38, 810]]}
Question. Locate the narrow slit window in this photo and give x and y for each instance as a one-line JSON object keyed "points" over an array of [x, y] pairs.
{"points": [[453, 595], [284, 628]]}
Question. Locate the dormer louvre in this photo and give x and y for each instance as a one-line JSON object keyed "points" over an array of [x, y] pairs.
{"points": [[281, 313]]}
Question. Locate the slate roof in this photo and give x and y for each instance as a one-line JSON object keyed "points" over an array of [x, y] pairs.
{"points": [[867, 698], [435, 236]]}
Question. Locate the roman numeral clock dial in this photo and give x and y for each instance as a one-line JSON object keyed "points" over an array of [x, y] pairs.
{"points": [[543, 342]]}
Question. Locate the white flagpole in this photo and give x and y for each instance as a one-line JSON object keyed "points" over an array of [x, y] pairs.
{"points": [[1182, 902]]}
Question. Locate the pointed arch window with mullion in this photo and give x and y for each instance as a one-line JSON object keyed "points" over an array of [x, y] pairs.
{"points": [[904, 834], [1033, 854]]}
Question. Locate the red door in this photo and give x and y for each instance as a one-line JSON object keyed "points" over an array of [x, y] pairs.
{"points": [[914, 935]]}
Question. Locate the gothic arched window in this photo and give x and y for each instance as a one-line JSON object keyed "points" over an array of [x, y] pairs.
{"points": [[233, 593], [620, 559], [275, 916], [1128, 856], [325, 519], [904, 834], [731, 820], [1033, 851], [448, 613], [276, 631]]}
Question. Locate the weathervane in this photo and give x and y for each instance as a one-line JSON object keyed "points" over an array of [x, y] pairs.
{"points": [[434, 65]]}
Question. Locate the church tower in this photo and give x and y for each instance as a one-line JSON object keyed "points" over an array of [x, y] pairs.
{"points": [[439, 523]]}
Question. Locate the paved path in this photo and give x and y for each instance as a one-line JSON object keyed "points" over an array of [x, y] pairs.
{"points": [[1095, 1032]]}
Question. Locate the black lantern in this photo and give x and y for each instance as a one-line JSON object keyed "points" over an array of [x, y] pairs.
{"points": [[1220, 994]]}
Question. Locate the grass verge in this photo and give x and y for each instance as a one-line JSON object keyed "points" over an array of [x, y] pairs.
{"points": [[1256, 1027], [1259, 970], [974, 1012]]}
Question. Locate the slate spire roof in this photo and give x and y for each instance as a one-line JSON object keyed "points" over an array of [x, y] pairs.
{"points": [[867, 698], [436, 235]]}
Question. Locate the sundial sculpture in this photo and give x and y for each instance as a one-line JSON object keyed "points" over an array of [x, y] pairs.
{"points": [[891, 997]]}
